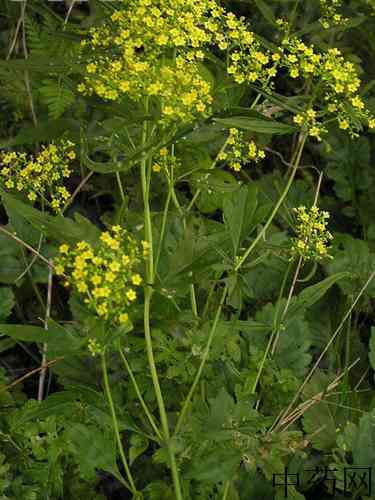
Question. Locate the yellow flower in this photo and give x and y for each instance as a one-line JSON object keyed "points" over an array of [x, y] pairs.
{"points": [[123, 318], [136, 279], [96, 279], [343, 124], [131, 295], [59, 269]]}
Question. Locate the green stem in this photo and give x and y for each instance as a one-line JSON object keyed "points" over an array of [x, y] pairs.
{"points": [[226, 490], [275, 329], [193, 299], [202, 364], [131, 484], [139, 395], [120, 186], [162, 229], [277, 206], [146, 318]]}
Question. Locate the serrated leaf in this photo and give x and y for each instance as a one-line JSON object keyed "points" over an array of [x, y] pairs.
{"points": [[98, 453]]}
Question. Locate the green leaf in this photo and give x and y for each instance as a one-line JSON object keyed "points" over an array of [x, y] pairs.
{"points": [[61, 341], [57, 227], [313, 293], [214, 468], [57, 97], [319, 420], [266, 11], [261, 126], [364, 442], [138, 445], [372, 348], [353, 254], [46, 130], [238, 213], [25, 333], [7, 302], [95, 448]]}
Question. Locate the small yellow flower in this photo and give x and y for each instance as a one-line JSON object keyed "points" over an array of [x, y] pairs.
{"points": [[59, 269], [123, 318], [136, 279], [131, 295]]}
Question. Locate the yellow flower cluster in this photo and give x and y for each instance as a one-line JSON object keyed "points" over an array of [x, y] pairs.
{"points": [[330, 15], [41, 177], [106, 276], [154, 48], [238, 152], [336, 79], [94, 347], [308, 122], [312, 234], [164, 161]]}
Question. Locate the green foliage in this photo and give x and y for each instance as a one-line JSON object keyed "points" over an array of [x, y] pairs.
{"points": [[242, 357]]}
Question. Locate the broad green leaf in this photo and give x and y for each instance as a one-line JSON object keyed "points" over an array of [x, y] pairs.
{"points": [[25, 333], [6, 344], [266, 11], [7, 302], [238, 213], [261, 126], [61, 341], [95, 447], [319, 420], [364, 442], [138, 445], [313, 293], [214, 468], [354, 255], [46, 130], [57, 227]]}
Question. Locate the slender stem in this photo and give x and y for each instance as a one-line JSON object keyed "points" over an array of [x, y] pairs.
{"points": [[139, 395], [146, 317], [203, 362], [275, 330], [43, 371], [226, 490], [131, 485], [193, 299], [290, 294], [277, 206], [162, 229], [120, 186]]}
